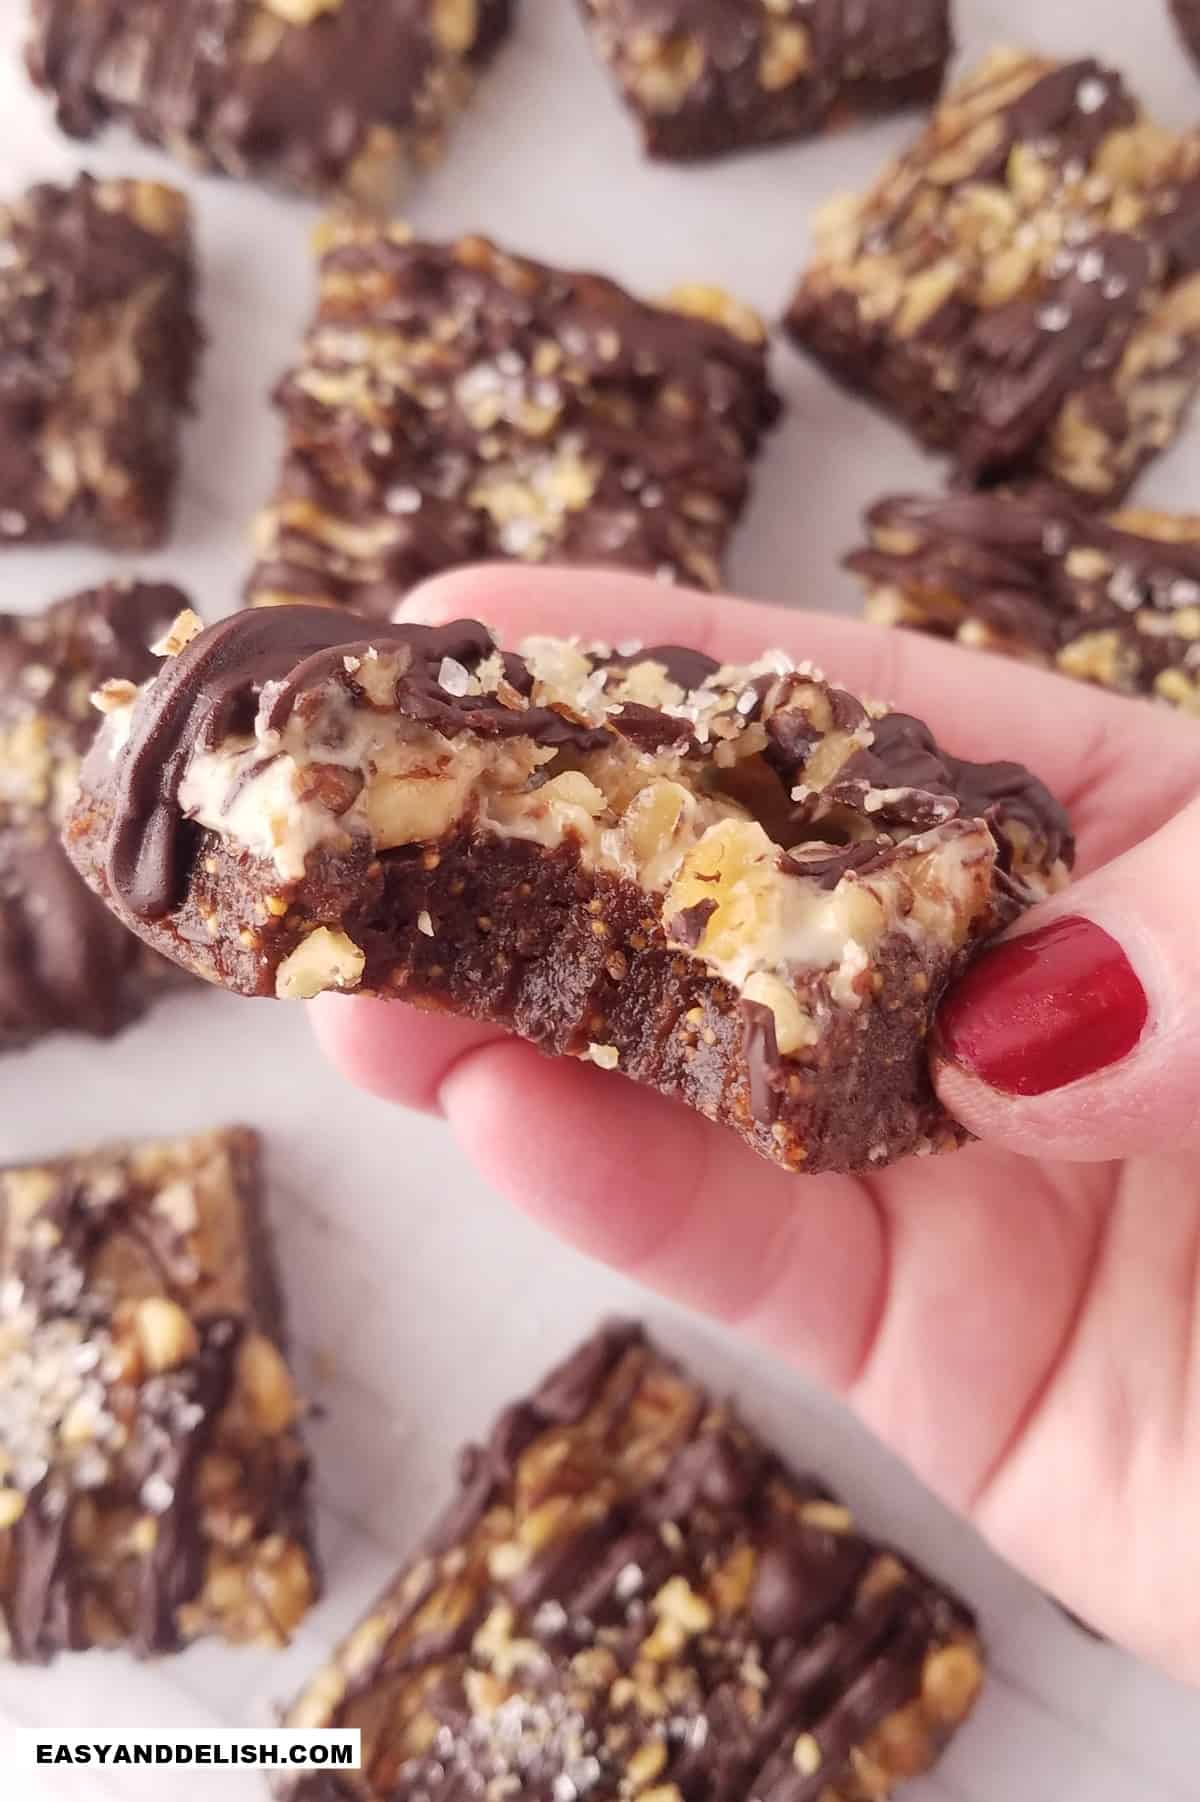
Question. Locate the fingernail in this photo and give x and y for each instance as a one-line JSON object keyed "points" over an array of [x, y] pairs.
{"points": [[1043, 1010]]}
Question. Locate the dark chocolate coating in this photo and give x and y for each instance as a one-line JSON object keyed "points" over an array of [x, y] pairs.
{"points": [[986, 378], [59, 1591], [627, 431], [1041, 576], [734, 81], [80, 270], [65, 962], [835, 1666], [244, 90]]}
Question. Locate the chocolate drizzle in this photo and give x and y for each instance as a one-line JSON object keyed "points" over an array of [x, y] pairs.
{"points": [[1040, 573], [255, 666], [835, 1661]]}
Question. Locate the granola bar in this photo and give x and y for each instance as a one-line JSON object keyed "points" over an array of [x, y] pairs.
{"points": [[317, 95], [632, 1595], [1115, 601], [152, 1476], [455, 402], [1020, 289], [703, 77], [742, 886], [98, 348], [65, 962]]}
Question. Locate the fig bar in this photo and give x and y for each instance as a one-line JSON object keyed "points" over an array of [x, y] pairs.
{"points": [[98, 348], [455, 402], [64, 961], [703, 77], [743, 887], [1021, 288], [313, 94], [1114, 601], [631, 1595], [152, 1476]]}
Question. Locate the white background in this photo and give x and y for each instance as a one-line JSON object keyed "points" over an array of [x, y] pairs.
{"points": [[420, 1304]]}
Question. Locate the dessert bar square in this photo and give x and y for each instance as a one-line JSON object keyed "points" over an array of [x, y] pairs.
{"points": [[64, 961], [740, 885], [703, 77], [314, 94], [632, 1596], [98, 348], [1020, 289], [456, 402], [1113, 600], [152, 1477]]}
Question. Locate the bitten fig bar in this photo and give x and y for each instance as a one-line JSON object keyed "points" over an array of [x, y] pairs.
{"points": [[1020, 289], [632, 1596], [65, 963], [742, 886], [703, 77], [1115, 601], [152, 1477], [98, 348], [455, 402], [319, 95]]}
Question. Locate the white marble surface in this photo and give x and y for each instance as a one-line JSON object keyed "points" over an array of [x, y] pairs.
{"points": [[425, 1302]]}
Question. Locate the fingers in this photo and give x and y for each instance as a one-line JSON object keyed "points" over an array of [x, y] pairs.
{"points": [[393, 1051], [1079, 1036], [1080, 741], [693, 1215]]}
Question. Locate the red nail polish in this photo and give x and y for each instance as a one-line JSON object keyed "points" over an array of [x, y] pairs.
{"points": [[1041, 1011]]}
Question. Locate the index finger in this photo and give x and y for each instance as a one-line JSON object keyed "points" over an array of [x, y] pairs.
{"points": [[1121, 767]]}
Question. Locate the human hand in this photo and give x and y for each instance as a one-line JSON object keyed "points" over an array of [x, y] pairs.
{"points": [[1020, 1321]]}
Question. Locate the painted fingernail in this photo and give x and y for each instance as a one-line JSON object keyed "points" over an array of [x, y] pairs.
{"points": [[1043, 1010]]}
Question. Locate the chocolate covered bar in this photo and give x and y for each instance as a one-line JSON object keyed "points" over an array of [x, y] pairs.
{"points": [[1020, 289], [455, 402], [64, 960], [314, 94], [152, 1476], [631, 1595], [1115, 601], [98, 348], [742, 886], [703, 77]]}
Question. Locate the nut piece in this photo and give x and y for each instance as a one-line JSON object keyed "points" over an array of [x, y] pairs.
{"points": [[184, 627], [264, 1382], [165, 1335], [324, 960], [12, 1507], [301, 12]]}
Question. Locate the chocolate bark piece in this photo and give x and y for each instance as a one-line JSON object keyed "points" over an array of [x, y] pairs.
{"points": [[1115, 600], [1020, 289], [1186, 14], [98, 349], [152, 1474], [65, 962], [317, 95], [1112, 600], [742, 886], [455, 402], [703, 77], [632, 1594]]}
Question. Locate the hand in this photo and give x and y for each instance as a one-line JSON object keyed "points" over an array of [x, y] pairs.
{"points": [[1020, 1321]]}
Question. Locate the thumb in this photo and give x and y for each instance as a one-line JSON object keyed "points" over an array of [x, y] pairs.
{"points": [[1079, 1035]]}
